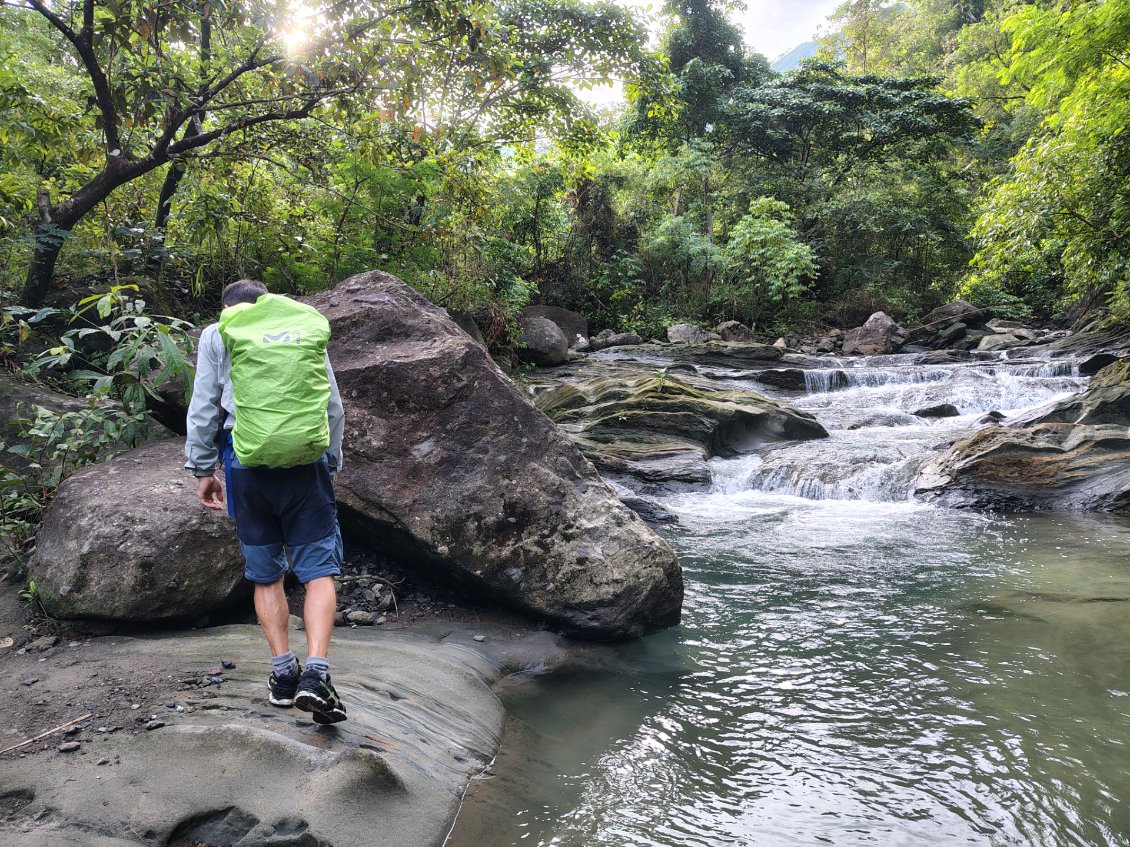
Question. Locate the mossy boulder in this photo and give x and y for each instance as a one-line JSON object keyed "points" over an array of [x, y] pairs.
{"points": [[661, 429]]}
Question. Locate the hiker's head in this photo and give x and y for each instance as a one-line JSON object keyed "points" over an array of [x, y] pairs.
{"points": [[243, 291]]}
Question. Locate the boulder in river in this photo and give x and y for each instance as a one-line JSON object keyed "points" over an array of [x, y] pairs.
{"points": [[790, 379], [958, 310], [735, 331], [572, 324], [690, 334], [607, 338], [1073, 454], [542, 342], [126, 540], [942, 410], [662, 430], [448, 466], [879, 335]]}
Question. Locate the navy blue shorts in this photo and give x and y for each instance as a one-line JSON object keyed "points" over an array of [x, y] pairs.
{"points": [[281, 511]]}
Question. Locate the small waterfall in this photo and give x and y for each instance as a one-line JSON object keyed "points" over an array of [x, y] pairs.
{"points": [[823, 380]]}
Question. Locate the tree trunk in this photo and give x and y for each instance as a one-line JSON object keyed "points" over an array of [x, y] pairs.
{"points": [[173, 176], [41, 271], [55, 223]]}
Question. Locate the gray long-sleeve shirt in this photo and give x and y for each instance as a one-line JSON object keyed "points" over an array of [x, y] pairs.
{"points": [[212, 392]]}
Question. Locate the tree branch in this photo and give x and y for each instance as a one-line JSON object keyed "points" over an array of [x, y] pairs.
{"points": [[83, 46]]}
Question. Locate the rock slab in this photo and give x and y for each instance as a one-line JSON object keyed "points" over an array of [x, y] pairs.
{"points": [[237, 771]]}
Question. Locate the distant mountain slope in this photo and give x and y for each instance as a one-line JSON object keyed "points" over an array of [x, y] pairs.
{"points": [[791, 60]]}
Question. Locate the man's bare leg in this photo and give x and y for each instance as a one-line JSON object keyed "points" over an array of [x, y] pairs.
{"points": [[318, 615], [273, 613]]}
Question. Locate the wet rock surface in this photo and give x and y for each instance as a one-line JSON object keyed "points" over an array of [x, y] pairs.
{"points": [[659, 428], [1072, 454], [422, 722]]}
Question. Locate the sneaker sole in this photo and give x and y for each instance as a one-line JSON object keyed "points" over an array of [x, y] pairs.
{"points": [[322, 711], [285, 702]]}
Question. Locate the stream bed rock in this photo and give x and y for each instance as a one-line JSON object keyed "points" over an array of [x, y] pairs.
{"points": [[660, 429], [1072, 454]]}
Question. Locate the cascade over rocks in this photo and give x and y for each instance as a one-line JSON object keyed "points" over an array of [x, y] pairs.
{"points": [[879, 335], [662, 430], [126, 540], [1073, 454], [450, 466]]}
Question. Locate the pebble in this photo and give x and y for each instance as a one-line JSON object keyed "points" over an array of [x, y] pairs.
{"points": [[152, 725], [361, 618], [31, 680], [136, 706], [68, 746], [227, 664], [72, 730], [103, 761], [480, 638], [382, 619]]}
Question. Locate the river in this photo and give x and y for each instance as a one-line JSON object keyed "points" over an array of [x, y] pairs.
{"points": [[852, 668]]}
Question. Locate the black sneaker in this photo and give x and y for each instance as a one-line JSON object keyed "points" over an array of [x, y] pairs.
{"points": [[283, 688], [317, 695]]}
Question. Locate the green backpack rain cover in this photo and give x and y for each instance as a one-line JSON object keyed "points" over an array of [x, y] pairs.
{"points": [[277, 348]]}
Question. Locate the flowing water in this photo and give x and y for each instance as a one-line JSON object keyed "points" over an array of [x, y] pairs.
{"points": [[852, 668]]}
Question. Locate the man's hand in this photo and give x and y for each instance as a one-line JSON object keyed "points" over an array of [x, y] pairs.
{"points": [[210, 493]]}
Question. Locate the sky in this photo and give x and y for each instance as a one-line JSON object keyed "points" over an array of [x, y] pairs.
{"points": [[771, 27]]}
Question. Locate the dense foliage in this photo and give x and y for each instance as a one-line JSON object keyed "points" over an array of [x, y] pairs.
{"points": [[934, 149]]}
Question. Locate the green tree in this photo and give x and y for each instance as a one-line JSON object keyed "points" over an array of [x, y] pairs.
{"points": [[1057, 224], [768, 264]]}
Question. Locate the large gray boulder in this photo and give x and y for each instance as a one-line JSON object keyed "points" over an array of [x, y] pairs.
{"points": [[572, 324], [958, 310], [735, 331], [126, 540], [879, 335], [1073, 454], [449, 466], [607, 338], [542, 342]]}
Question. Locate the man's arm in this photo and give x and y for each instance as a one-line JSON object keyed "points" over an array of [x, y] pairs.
{"points": [[336, 414], [203, 420]]}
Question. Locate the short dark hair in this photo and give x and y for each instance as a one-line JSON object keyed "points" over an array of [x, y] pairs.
{"points": [[243, 291]]}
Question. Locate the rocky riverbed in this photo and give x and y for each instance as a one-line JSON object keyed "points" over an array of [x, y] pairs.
{"points": [[167, 737]]}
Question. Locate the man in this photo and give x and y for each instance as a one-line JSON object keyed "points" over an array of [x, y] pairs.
{"points": [[278, 512]]}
